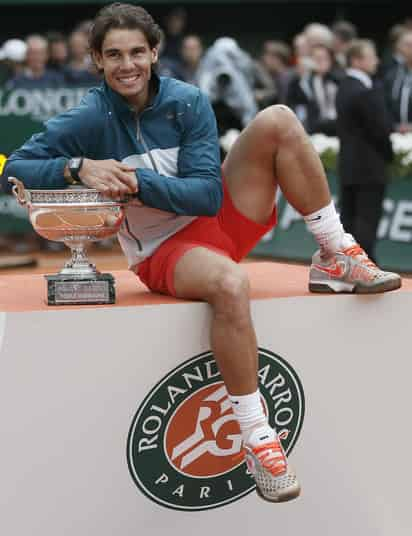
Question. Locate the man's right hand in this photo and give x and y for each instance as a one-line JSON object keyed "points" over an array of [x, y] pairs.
{"points": [[110, 177]]}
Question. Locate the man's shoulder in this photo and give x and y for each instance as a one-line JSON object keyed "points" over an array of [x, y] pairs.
{"points": [[351, 85], [95, 97], [393, 73], [90, 112], [177, 89], [94, 103]]}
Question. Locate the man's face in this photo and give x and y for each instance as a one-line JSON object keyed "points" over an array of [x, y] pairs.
{"points": [[369, 60], [79, 47], [322, 60], [192, 50], [271, 60], [58, 51], [37, 54], [126, 60], [405, 47]]}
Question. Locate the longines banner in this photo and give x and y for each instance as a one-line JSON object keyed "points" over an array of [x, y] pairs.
{"points": [[290, 240], [23, 112]]}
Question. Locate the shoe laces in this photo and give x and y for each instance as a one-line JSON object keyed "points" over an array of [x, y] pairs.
{"points": [[242, 453], [272, 457], [356, 251]]}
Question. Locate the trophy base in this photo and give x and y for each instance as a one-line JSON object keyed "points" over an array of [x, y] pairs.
{"points": [[97, 289]]}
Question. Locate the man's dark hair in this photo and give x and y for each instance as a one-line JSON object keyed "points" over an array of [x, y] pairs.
{"points": [[55, 37], [123, 16], [345, 30], [279, 49]]}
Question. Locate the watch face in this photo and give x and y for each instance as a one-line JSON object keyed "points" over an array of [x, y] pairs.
{"points": [[74, 163]]}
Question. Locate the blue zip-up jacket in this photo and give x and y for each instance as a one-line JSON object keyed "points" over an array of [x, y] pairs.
{"points": [[173, 144]]}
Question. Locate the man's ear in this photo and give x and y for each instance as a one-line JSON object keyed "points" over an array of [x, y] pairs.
{"points": [[97, 59], [155, 55]]}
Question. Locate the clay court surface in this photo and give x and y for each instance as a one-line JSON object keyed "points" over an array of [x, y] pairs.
{"points": [[51, 262], [24, 288]]}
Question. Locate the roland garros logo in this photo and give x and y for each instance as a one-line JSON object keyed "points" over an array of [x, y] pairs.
{"points": [[184, 447]]}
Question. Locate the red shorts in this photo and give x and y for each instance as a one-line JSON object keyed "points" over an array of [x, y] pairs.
{"points": [[229, 233]]}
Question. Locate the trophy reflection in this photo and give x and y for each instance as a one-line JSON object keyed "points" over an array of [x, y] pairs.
{"points": [[75, 216]]}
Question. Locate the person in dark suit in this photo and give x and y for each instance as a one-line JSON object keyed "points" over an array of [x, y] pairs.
{"points": [[364, 127], [398, 86], [312, 93]]}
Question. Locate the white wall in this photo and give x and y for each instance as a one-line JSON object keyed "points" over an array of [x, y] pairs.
{"points": [[71, 383]]}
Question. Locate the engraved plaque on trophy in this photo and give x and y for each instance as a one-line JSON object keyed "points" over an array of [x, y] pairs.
{"points": [[75, 216]]}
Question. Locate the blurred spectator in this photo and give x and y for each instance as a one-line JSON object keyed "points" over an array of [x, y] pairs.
{"points": [[301, 60], [398, 85], [58, 51], [300, 47], [35, 74], [79, 51], [226, 76], [365, 146], [192, 52], [392, 56], [84, 26], [168, 66], [174, 27], [272, 74], [343, 34], [313, 95], [318, 34], [12, 58], [80, 71]]}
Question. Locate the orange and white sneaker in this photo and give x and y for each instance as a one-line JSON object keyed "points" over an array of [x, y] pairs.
{"points": [[350, 270], [275, 481]]}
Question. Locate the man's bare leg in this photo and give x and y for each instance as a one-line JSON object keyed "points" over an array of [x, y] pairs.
{"points": [[205, 275], [274, 150]]}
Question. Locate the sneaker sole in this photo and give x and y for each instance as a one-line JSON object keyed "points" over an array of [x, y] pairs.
{"points": [[340, 287], [293, 494]]}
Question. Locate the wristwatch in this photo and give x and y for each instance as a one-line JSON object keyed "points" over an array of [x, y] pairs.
{"points": [[74, 165]]}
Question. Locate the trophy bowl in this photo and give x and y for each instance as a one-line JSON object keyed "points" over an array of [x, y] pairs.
{"points": [[75, 216]]}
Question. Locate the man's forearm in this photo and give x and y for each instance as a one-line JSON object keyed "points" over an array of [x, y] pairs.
{"points": [[189, 196], [34, 174]]}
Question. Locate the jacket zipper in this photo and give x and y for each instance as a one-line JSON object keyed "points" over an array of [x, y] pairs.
{"points": [[147, 150], [145, 147]]}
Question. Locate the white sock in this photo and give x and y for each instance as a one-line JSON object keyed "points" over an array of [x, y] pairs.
{"points": [[252, 420], [326, 227]]}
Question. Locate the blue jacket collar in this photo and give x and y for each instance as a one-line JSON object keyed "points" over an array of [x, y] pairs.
{"points": [[121, 105]]}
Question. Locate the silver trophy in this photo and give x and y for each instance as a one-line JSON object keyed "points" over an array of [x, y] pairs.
{"points": [[75, 216]]}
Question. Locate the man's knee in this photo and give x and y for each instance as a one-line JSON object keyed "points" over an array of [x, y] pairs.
{"points": [[278, 122], [230, 291]]}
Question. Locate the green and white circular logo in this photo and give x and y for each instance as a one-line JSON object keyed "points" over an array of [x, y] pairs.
{"points": [[184, 447]]}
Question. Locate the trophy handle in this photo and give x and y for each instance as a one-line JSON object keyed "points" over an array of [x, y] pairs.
{"points": [[18, 190]]}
